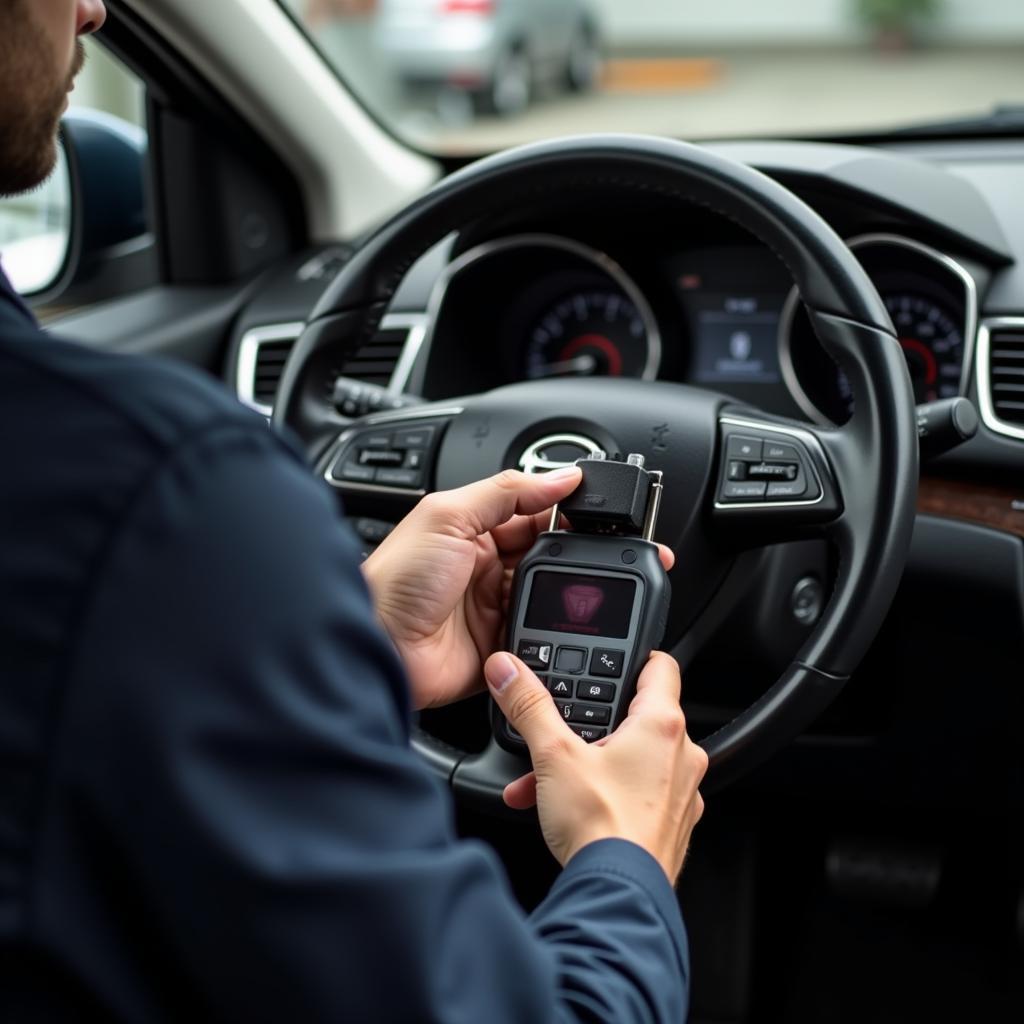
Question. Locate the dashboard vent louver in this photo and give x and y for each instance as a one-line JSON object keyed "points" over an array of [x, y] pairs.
{"points": [[270, 360], [264, 351], [1006, 373], [375, 362]]}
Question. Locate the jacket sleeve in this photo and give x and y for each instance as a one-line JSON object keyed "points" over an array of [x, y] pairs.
{"points": [[237, 828]]}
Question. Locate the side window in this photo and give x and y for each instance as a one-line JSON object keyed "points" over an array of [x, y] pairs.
{"points": [[53, 252]]}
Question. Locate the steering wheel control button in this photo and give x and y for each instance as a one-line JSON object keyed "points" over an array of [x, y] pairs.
{"points": [[591, 689], [560, 686], [588, 732], [355, 473], [605, 662], [737, 470], [534, 654], [589, 715], [747, 490], [775, 452], [787, 490], [772, 471], [380, 457], [414, 437], [410, 478], [414, 459], [570, 659], [746, 449]]}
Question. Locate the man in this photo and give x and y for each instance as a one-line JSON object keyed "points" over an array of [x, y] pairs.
{"points": [[209, 809]]}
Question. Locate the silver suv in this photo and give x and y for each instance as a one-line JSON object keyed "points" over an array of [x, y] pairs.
{"points": [[495, 52]]}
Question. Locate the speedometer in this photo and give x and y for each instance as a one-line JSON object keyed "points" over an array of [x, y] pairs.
{"points": [[597, 332]]}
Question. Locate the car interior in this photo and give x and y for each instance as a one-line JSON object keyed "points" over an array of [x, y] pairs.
{"points": [[847, 513]]}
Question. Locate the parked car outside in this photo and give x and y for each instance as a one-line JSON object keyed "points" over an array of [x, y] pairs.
{"points": [[497, 53]]}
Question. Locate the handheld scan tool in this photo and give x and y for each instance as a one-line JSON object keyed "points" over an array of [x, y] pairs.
{"points": [[590, 603]]}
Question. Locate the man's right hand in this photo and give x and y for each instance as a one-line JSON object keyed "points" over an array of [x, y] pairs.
{"points": [[640, 783]]}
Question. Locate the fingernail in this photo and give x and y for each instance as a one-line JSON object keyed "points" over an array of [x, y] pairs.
{"points": [[563, 474], [500, 671]]}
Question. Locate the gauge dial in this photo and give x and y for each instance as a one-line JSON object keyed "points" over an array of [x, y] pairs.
{"points": [[932, 343], [591, 333]]}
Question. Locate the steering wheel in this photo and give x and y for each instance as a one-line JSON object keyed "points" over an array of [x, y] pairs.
{"points": [[855, 484]]}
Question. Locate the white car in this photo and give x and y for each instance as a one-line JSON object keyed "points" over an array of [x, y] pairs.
{"points": [[494, 51]]}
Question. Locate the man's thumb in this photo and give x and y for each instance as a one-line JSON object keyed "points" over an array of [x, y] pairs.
{"points": [[523, 699]]}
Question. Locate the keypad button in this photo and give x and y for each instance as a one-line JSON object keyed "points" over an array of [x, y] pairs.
{"points": [[570, 659], [591, 689], [588, 714], [560, 686], [536, 655], [605, 662], [565, 709], [589, 732]]}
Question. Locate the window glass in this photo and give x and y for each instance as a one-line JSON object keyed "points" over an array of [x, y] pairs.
{"points": [[476, 75]]}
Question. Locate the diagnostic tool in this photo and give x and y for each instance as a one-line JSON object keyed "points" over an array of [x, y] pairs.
{"points": [[590, 603]]}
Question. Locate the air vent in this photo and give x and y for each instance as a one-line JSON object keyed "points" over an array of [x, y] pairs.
{"points": [[1001, 376], [264, 351], [375, 363], [270, 360]]}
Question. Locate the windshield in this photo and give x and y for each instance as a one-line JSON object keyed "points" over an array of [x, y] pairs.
{"points": [[477, 75]]}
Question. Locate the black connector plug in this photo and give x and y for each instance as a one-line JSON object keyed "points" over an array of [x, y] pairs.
{"points": [[618, 498]]}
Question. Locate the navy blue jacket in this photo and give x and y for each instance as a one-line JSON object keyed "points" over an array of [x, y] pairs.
{"points": [[209, 808]]}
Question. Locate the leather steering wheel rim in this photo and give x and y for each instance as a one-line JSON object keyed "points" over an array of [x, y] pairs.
{"points": [[874, 456]]}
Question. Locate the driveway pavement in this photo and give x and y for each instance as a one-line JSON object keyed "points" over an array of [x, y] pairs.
{"points": [[782, 93]]}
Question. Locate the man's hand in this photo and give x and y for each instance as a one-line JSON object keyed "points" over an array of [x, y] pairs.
{"points": [[441, 580], [640, 783]]}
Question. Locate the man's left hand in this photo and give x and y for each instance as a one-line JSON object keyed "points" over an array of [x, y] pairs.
{"points": [[441, 580]]}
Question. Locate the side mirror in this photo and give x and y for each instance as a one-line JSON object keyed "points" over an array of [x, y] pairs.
{"points": [[35, 232], [84, 235]]}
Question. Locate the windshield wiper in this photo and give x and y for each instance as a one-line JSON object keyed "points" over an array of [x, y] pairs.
{"points": [[1002, 119]]}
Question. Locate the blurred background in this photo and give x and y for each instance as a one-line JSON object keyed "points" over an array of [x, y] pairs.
{"points": [[474, 75]]}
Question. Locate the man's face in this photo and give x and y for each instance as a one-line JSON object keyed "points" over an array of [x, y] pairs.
{"points": [[40, 55]]}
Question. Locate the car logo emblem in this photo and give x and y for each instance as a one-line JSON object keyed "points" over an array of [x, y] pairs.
{"points": [[556, 451]]}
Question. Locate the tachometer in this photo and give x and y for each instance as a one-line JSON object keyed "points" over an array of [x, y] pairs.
{"points": [[596, 332], [933, 344]]}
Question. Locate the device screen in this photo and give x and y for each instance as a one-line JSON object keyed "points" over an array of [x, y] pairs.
{"points": [[587, 605]]}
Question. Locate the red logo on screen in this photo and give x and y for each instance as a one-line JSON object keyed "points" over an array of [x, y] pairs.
{"points": [[581, 601]]}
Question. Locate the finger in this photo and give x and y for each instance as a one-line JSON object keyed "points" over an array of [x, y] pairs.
{"points": [[480, 507], [667, 556], [525, 702], [519, 533], [660, 682], [521, 794]]}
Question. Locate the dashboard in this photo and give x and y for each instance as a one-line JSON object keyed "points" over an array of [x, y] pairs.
{"points": [[717, 314]]}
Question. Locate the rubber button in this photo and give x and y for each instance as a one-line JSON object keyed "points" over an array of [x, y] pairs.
{"points": [[746, 448], [629, 556], [588, 732], [606, 662], [570, 659]]}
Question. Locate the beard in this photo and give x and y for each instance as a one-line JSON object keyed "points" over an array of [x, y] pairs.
{"points": [[32, 99]]}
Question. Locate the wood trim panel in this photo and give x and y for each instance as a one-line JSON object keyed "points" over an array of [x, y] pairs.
{"points": [[1001, 508]]}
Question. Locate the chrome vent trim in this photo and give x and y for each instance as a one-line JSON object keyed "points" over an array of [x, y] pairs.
{"points": [[996, 383], [382, 361]]}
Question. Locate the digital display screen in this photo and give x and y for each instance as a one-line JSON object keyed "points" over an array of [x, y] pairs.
{"points": [[585, 605], [736, 338]]}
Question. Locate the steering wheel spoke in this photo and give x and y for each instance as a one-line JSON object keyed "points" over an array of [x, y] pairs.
{"points": [[388, 457], [775, 480]]}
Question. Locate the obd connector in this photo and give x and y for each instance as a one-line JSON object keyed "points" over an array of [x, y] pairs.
{"points": [[616, 498]]}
